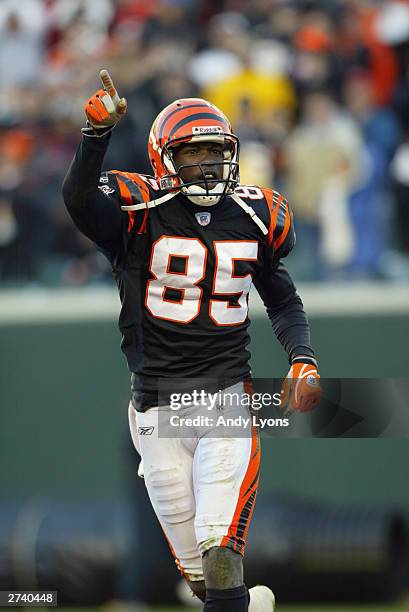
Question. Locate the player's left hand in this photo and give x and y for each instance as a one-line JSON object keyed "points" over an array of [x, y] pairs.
{"points": [[301, 388]]}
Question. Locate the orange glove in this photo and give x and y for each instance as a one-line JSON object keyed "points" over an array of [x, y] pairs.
{"points": [[104, 109], [301, 388]]}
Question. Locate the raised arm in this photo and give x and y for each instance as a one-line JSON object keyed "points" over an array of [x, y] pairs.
{"points": [[95, 206]]}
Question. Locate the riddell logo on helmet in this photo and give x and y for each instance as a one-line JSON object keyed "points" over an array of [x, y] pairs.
{"points": [[207, 129]]}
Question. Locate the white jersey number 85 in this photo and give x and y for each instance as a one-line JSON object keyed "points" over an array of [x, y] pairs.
{"points": [[194, 254]]}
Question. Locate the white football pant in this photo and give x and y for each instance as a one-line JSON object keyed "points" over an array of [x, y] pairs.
{"points": [[202, 487]]}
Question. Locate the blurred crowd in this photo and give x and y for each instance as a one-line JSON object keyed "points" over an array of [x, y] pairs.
{"points": [[317, 91]]}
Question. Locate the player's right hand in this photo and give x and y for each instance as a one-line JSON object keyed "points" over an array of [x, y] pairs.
{"points": [[105, 108]]}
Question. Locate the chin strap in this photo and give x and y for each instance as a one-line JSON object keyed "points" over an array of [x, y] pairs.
{"points": [[151, 203], [247, 209], [208, 197]]}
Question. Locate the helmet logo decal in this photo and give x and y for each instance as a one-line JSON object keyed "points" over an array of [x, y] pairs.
{"points": [[203, 218], [155, 144], [189, 119], [206, 129]]}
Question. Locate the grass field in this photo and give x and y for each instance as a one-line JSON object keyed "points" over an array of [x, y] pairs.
{"points": [[400, 607], [298, 608], [320, 608]]}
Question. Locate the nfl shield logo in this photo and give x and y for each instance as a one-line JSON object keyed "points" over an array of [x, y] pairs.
{"points": [[203, 218]]}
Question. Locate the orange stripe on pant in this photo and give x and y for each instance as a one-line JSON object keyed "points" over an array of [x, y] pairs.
{"points": [[172, 550], [237, 532]]}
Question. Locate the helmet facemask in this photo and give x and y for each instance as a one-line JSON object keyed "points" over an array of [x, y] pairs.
{"points": [[198, 190]]}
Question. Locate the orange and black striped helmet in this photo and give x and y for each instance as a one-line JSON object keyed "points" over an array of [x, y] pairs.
{"points": [[191, 120]]}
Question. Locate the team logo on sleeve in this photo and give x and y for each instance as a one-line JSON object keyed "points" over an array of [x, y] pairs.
{"points": [[106, 189], [203, 218]]}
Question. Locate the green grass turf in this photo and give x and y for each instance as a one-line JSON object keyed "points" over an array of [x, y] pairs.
{"points": [[280, 608], [312, 608]]}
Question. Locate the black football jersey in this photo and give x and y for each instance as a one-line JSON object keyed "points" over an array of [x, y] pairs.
{"points": [[184, 273]]}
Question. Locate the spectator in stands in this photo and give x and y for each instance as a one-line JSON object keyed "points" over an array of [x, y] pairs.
{"points": [[400, 177], [264, 94], [256, 59], [370, 206], [325, 162], [220, 59]]}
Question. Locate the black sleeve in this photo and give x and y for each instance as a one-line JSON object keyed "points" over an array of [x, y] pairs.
{"points": [[285, 310], [94, 207]]}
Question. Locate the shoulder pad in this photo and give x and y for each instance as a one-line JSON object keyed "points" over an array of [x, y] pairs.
{"points": [[135, 188], [254, 196], [130, 188]]}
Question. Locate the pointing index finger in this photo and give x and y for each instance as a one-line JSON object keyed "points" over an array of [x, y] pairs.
{"points": [[109, 86]]}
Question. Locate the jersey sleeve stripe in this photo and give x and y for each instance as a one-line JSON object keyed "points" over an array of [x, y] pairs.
{"points": [[132, 186], [141, 185], [145, 196], [269, 199], [126, 195], [124, 191], [142, 228], [135, 184], [274, 200], [279, 241]]}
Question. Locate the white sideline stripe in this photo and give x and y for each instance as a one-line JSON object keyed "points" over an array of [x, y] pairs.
{"points": [[39, 305], [58, 305]]}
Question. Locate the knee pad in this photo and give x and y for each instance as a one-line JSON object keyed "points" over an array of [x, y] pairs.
{"points": [[171, 494], [218, 461]]}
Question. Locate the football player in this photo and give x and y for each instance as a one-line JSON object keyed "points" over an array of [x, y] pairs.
{"points": [[185, 246]]}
